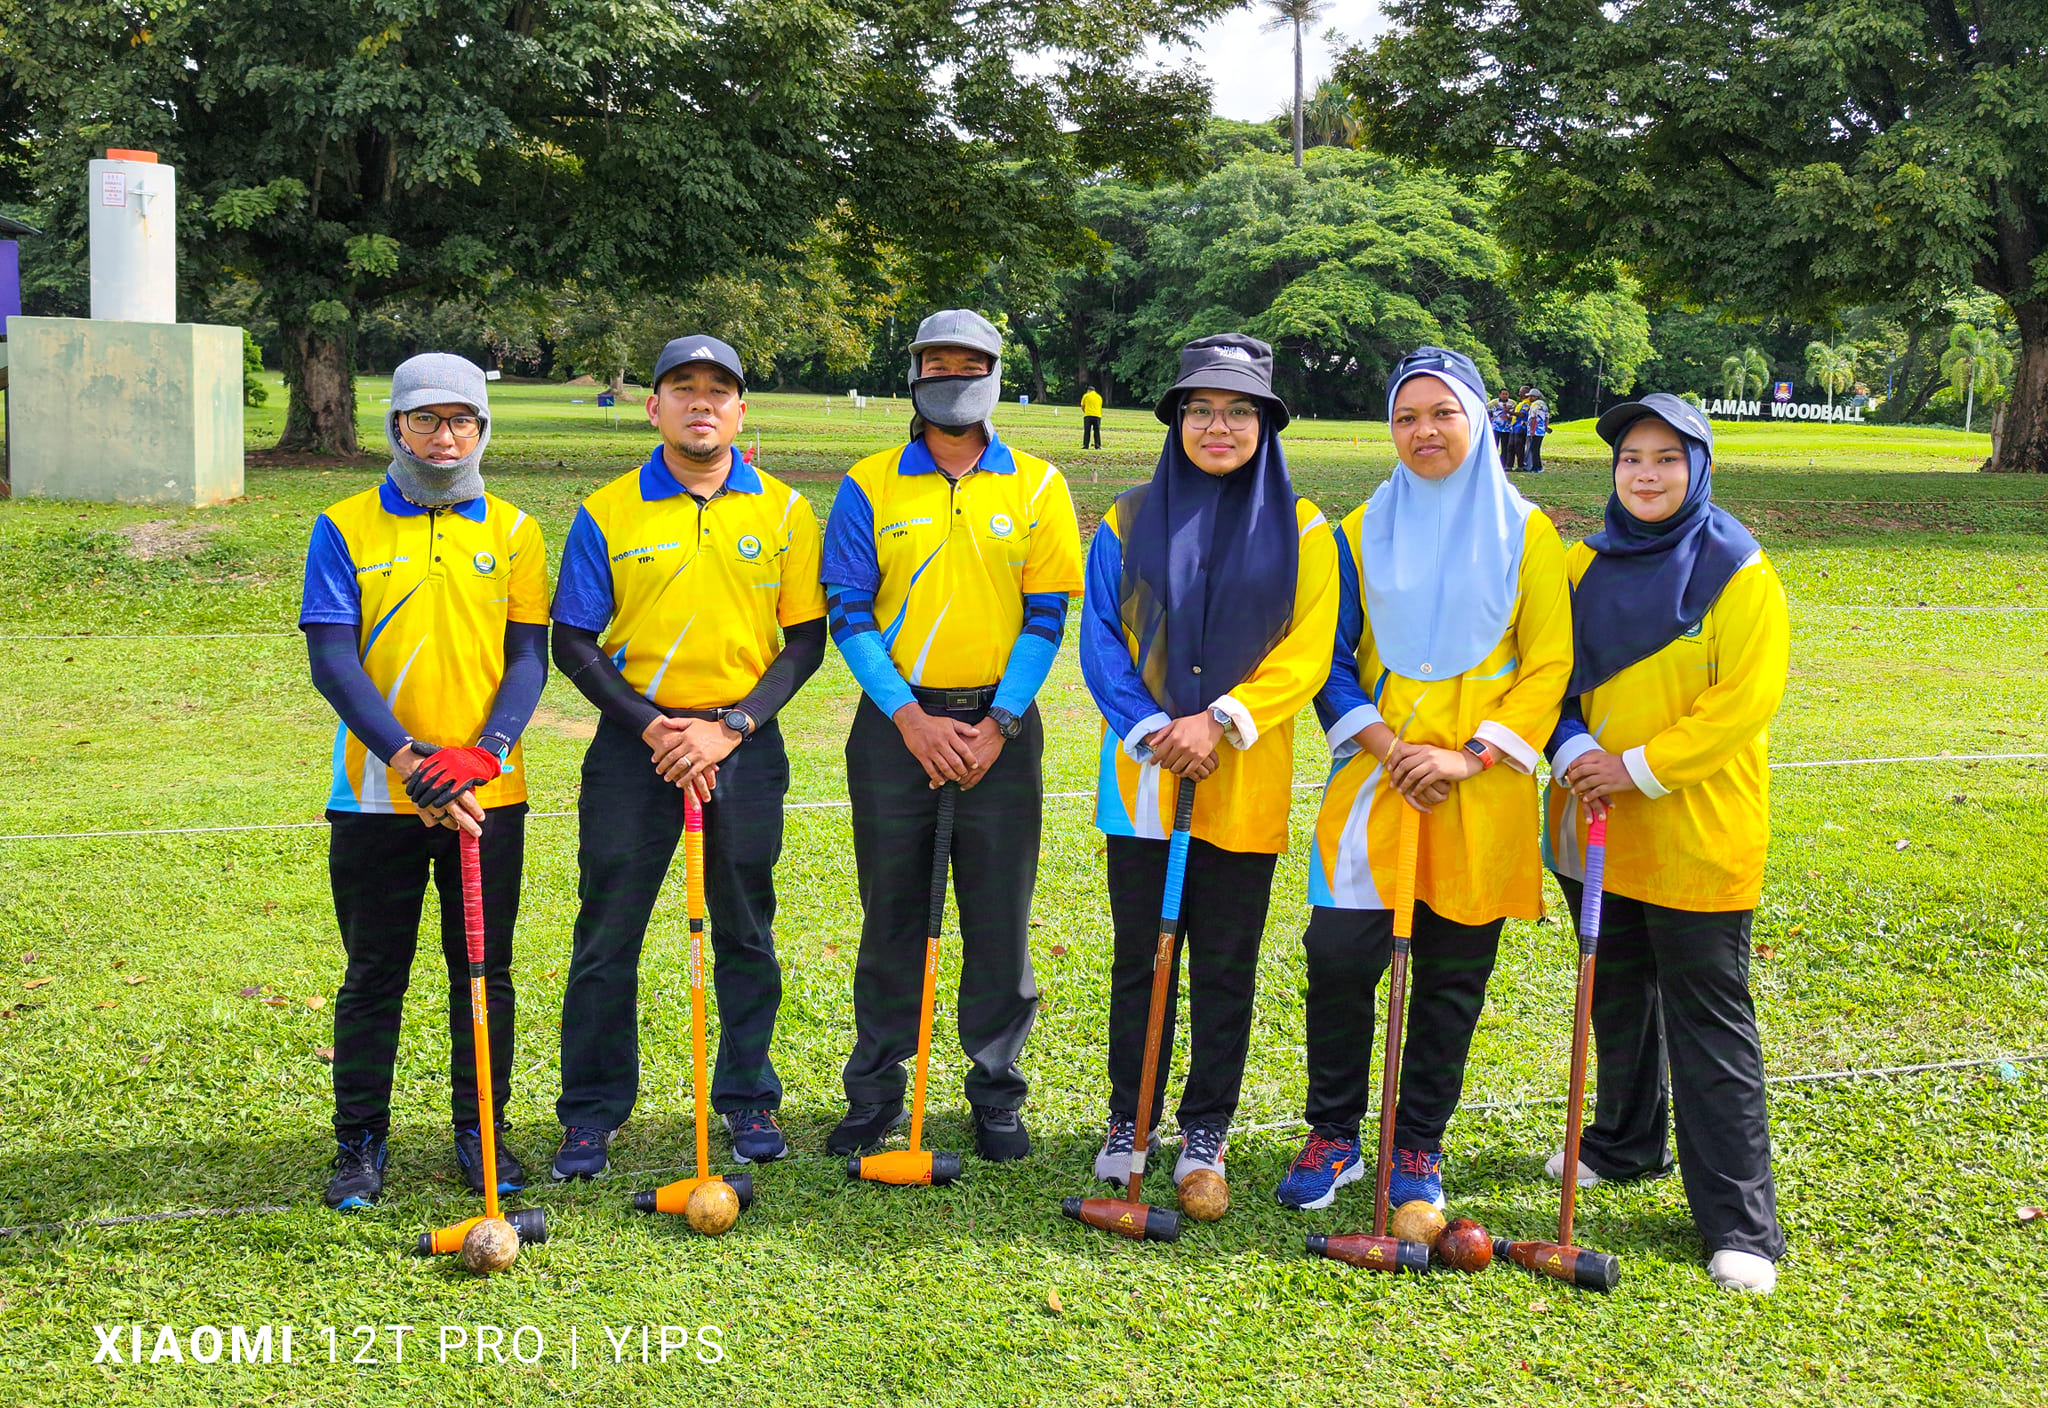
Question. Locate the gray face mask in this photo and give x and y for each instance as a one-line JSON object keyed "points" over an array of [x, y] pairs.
{"points": [[958, 403], [433, 485]]}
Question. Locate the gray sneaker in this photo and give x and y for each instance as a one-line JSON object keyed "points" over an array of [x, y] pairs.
{"points": [[1113, 1164], [1201, 1146]]}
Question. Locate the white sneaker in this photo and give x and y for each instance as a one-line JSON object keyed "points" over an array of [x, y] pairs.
{"points": [[1555, 1169], [1201, 1146], [1113, 1164], [1742, 1271]]}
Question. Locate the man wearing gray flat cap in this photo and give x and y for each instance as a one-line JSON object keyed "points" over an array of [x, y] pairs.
{"points": [[947, 567]]}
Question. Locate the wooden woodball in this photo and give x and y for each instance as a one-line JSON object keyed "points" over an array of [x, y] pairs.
{"points": [[1204, 1195], [713, 1207], [1416, 1221], [1465, 1246], [490, 1246]]}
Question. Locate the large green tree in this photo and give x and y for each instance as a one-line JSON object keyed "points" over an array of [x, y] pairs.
{"points": [[1762, 157], [338, 154]]}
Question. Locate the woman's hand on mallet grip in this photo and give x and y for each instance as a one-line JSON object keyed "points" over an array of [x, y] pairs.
{"points": [[1594, 777]]}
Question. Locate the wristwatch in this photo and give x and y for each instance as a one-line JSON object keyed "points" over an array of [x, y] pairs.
{"points": [[1482, 751], [739, 721], [1007, 723]]}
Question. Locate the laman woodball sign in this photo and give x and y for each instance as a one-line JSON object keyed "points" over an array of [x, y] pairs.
{"points": [[1724, 409]]}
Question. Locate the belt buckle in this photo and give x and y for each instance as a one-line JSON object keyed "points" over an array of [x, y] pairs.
{"points": [[963, 701]]}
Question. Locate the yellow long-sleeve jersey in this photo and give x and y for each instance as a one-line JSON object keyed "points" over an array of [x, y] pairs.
{"points": [[1691, 725], [1479, 859]]}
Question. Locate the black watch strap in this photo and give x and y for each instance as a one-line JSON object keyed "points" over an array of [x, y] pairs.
{"points": [[739, 721], [1007, 723]]}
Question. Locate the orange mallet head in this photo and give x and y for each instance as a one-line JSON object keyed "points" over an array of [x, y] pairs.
{"points": [[906, 1168], [675, 1197], [530, 1223], [1141, 1222]]}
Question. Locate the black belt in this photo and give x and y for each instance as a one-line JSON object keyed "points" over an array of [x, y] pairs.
{"points": [[955, 701], [709, 715]]}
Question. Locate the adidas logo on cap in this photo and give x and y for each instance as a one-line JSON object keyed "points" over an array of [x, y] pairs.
{"points": [[703, 352]]}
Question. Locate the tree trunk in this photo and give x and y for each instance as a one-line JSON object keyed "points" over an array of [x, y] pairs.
{"points": [[320, 384], [1297, 95], [617, 385], [1970, 399], [2023, 447]]}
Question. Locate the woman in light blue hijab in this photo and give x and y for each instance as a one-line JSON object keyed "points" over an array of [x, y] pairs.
{"points": [[1454, 642]]}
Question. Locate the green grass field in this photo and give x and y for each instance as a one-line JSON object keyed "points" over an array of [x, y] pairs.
{"points": [[156, 682]]}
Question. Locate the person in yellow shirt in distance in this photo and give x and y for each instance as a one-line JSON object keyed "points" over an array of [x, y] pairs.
{"points": [[1682, 647], [1451, 652], [1091, 418]]}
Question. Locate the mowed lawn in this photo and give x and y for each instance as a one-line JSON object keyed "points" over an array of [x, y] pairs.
{"points": [[155, 682]]}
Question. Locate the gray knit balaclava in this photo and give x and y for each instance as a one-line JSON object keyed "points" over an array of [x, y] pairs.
{"points": [[432, 379], [956, 403]]}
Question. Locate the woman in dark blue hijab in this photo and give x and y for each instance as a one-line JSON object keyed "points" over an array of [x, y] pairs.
{"points": [[1210, 603], [1681, 641]]}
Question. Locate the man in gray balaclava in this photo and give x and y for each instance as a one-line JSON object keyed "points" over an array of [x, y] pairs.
{"points": [[947, 567], [425, 613]]}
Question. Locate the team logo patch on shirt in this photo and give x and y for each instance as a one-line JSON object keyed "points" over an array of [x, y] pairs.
{"points": [[1000, 524], [485, 563], [749, 546]]}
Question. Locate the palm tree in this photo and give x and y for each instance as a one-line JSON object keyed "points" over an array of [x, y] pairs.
{"points": [[1297, 15], [1744, 374], [1974, 359], [1833, 367], [1327, 120]]}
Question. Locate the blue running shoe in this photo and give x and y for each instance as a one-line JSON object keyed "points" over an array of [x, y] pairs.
{"points": [[583, 1154], [1418, 1176], [358, 1181], [756, 1137], [1325, 1165], [469, 1157]]}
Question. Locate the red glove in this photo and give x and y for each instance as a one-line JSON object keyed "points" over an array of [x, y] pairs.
{"points": [[449, 773]]}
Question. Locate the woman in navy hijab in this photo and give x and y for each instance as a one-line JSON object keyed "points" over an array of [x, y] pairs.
{"points": [[1210, 601], [1681, 642]]}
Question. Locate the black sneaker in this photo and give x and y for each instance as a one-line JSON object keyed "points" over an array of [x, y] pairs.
{"points": [[864, 1128], [999, 1135], [469, 1157], [583, 1154], [756, 1137], [358, 1178]]}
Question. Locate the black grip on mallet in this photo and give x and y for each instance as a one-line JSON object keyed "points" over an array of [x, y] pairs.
{"points": [[945, 1168], [531, 1224], [1576, 1266]]}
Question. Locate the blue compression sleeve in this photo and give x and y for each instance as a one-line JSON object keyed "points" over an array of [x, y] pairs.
{"points": [[339, 675], [852, 616], [1571, 737], [1038, 644], [526, 675], [1106, 667]]}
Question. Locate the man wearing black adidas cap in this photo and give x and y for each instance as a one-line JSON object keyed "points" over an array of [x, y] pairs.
{"points": [[689, 567]]}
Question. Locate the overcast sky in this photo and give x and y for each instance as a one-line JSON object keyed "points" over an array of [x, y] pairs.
{"points": [[1253, 71]]}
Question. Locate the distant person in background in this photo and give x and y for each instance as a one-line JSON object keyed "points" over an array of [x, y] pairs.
{"points": [[1518, 431], [1682, 640], [1501, 411], [1091, 418], [1539, 426]]}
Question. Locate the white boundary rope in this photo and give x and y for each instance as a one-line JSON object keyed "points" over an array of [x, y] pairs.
{"points": [[538, 1193], [842, 803]]}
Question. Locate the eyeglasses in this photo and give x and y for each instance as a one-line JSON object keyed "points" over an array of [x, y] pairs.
{"points": [[464, 427], [1235, 417]]}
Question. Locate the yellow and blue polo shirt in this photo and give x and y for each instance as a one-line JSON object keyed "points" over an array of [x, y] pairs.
{"points": [[430, 592], [1691, 723], [949, 562], [690, 597]]}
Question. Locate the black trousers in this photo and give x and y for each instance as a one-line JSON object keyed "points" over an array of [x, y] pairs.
{"points": [[1091, 426], [1673, 1023], [1517, 440], [1348, 951], [629, 820], [378, 866], [996, 827], [1223, 916], [1535, 454]]}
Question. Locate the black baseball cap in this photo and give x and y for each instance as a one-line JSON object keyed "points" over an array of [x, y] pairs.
{"points": [[698, 348], [1228, 361], [1436, 361], [1682, 416]]}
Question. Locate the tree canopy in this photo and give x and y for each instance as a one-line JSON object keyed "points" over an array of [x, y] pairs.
{"points": [[338, 154], [1792, 155]]}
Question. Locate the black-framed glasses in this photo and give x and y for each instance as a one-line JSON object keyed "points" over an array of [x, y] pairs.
{"points": [[462, 425], [1235, 417]]}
